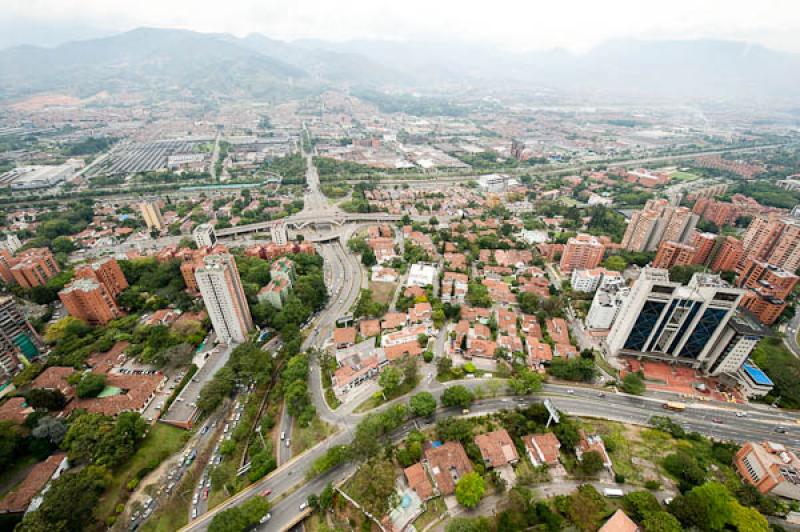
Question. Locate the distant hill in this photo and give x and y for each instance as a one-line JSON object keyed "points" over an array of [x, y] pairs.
{"points": [[158, 59], [177, 62], [673, 69]]}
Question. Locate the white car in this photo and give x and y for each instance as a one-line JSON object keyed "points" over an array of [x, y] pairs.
{"points": [[303, 506], [266, 518]]}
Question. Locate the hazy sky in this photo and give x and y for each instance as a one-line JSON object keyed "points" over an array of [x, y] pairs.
{"points": [[513, 24]]}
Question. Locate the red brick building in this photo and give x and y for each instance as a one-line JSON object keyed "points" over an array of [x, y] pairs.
{"points": [[671, 254], [581, 252]]}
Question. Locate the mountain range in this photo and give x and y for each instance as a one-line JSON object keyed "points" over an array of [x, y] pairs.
{"points": [[180, 62]]}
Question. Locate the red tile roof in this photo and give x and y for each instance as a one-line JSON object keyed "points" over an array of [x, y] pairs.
{"points": [[447, 463], [619, 522], [18, 500], [418, 481], [544, 447], [497, 448]]}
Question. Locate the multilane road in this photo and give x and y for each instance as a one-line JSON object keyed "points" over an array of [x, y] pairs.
{"points": [[712, 420]]}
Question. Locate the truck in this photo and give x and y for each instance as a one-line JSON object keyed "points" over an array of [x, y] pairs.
{"points": [[613, 492], [675, 406]]}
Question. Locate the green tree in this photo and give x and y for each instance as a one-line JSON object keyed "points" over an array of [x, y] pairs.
{"points": [[457, 396], [528, 302], [525, 382], [10, 441], [240, 518], [685, 468], [390, 379], [633, 383], [423, 404], [470, 489], [706, 507], [41, 398], [51, 429], [90, 385], [373, 486], [591, 463], [661, 522], [70, 502], [615, 263], [638, 504]]}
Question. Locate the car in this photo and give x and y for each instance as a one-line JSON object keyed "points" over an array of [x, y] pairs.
{"points": [[288, 442], [208, 482], [266, 493], [283, 435], [741, 414], [717, 420], [571, 392], [780, 430], [195, 498], [303, 506], [205, 494], [267, 517], [465, 411], [194, 513]]}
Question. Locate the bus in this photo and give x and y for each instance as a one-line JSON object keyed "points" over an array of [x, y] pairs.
{"points": [[675, 406]]}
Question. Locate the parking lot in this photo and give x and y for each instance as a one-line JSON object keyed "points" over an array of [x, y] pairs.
{"points": [[183, 409]]}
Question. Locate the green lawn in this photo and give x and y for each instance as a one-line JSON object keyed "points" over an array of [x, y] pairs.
{"points": [[304, 438], [434, 508], [684, 176], [161, 442], [377, 398]]}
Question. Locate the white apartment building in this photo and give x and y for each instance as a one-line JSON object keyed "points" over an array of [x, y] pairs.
{"points": [[279, 233], [219, 284], [204, 236]]}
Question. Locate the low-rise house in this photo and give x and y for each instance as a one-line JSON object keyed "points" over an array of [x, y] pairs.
{"points": [[557, 330], [619, 522], [539, 353], [344, 337], [133, 394], [16, 410], [593, 442], [394, 320], [350, 375], [420, 312], [454, 287], [407, 349], [542, 449], [27, 496], [507, 321], [530, 326], [384, 275], [402, 336], [55, 378], [417, 479], [497, 448], [421, 275], [447, 463], [369, 328], [512, 344]]}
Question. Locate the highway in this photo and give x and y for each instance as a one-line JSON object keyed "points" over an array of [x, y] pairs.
{"points": [[343, 277], [711, 419]]}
